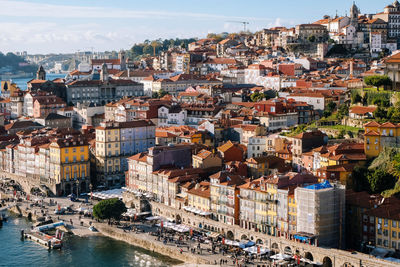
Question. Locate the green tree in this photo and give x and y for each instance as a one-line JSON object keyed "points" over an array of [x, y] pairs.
{"points": [[256, 96], [343, 110], [109, 209], [329, 109], [378, 80], [356, 98], [162, 93], [380, 180], [341, 134], [359, 177], [380, 113]]}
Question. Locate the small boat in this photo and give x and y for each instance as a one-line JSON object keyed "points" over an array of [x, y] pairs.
{"points": [[91, 228]]}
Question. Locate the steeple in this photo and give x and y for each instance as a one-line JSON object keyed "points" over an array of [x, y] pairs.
{"points": [[41, 73], [122, 59], [104, 73], [354, 12]]}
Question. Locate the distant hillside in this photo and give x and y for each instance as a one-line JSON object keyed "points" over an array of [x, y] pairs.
{"points": [[149, 47], [13, 63]]}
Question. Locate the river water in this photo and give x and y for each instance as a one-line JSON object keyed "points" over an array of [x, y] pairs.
{"points": [[21, 82], [76, 251]]}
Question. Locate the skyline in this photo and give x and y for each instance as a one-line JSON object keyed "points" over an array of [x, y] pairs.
{"points": [[43, 26]]}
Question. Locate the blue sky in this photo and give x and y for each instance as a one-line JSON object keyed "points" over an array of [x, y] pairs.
{"points": [[44, 26]]}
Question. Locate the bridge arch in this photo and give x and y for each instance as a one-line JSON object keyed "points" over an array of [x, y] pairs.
{"points": [[327, 262], [309, 256], [275, 247], [288, 250], [230, 235]]}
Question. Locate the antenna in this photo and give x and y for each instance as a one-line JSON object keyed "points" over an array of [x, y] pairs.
{"points": [[241, 22]]}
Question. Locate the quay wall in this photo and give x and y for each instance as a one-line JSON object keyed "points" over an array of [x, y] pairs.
{"points": [[140, 240]]}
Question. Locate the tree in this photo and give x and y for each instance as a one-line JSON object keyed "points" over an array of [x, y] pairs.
{"points": [[162, 93], [356, 98], [380, 113], [109, 209], [378, 80], [256, 96], [341, 134], [343, 110], [380, 180], [329, 109], [360, 181]]}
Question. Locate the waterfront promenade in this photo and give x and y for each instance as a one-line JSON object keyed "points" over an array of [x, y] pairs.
{"points": [[143, 238]]}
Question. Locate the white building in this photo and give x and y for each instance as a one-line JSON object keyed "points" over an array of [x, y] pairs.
{"points": [[256, 146], [171, 116]]}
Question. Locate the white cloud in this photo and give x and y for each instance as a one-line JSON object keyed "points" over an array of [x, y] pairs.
{"points": [[28, 9], [47, 30]]}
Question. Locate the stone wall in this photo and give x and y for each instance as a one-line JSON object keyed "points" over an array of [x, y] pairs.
{"points": [[140, 240], [337, 257]]}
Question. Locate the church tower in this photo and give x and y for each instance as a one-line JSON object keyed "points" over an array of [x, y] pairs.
{"points": [[41, 73], [354, 12], [104, 73], [122, 59]]}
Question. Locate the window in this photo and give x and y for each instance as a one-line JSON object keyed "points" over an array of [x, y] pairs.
{"points": [[394, 224], [394, 234], [385, 232], [385, 243], [385, 222], [66, 159], [82, 158]]}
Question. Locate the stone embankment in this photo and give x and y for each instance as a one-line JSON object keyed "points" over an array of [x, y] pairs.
{"points": [[143, 241]]}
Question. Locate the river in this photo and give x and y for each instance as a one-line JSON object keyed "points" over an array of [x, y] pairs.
{"points": [[76, 251], [21, 82]]}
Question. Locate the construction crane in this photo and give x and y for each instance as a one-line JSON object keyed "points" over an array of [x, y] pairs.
{"points": [[241, 22]]}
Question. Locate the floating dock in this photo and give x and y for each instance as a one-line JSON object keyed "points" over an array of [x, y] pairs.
{"points": [[46, 240]]}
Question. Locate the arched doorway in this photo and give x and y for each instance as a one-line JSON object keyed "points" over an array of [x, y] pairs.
{"points": [[83, 187], [347, 265], [67, 189], [74, 189], [275, 247], [178, 219], [327, 262], [288, 251], [309, 256], [259, 242], [230, 235], [244, 237]]}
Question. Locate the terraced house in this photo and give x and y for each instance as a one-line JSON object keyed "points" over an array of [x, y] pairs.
{"points": [[377, 136], [115, 142], [70, 165]]}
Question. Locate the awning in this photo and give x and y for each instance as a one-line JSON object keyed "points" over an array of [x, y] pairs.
{"points": [[152, 218], [281, 257], [213, 235], [231, 243]]}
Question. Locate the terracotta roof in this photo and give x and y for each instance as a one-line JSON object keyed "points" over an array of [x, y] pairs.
{"points": [[362, 110], [204, 154]]}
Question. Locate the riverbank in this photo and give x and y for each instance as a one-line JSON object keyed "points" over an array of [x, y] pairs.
{"points": [[140, 242], [145, 241]]}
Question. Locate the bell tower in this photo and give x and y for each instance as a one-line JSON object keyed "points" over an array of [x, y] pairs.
{"points": [[41, 73], [354, 12]]}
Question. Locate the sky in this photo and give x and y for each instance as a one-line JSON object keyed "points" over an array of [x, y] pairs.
{"points": [[64, 26]]}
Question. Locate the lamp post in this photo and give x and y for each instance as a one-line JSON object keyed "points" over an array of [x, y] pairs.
{"points": [[77, 188]]}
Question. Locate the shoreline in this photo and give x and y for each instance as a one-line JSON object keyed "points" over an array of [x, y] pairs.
{"points": [[140, 241], [148, 246]]}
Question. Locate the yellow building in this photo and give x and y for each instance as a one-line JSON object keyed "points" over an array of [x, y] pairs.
{"points": [[387, 224], [199, 197], [271, 185], [292, 211], [377, 136], [69, 165], [206, 159]]}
